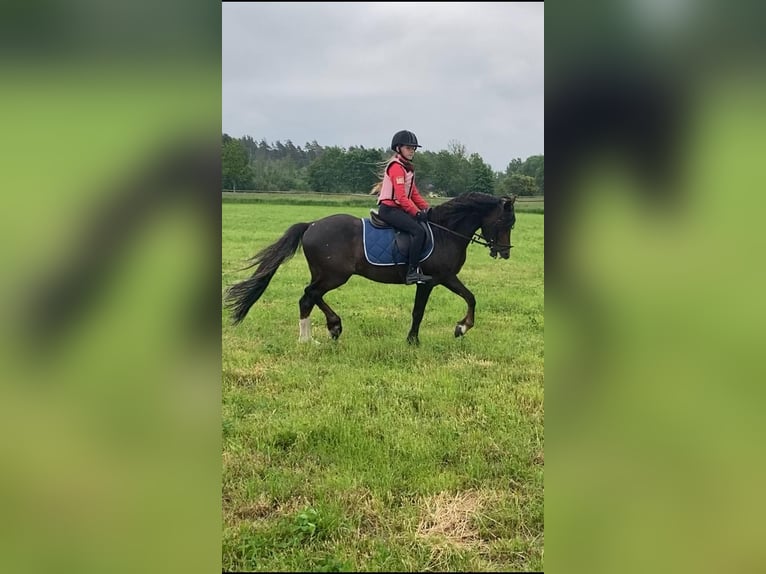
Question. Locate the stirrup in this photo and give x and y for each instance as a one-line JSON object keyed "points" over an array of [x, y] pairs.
{"points": [[417, 277]]}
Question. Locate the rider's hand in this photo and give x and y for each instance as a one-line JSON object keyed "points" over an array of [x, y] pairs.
{"points": [[422, 216]]}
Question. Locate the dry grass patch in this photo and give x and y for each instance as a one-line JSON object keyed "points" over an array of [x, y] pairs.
{"points": [[250, 376], [264, 508], [450, 527], [368, 508], [261, 508], [470, 361], [450, 518]]}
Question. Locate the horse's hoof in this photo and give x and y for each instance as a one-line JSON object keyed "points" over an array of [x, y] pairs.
{"points": [[334, 333], [413, 341], [460, 330]]}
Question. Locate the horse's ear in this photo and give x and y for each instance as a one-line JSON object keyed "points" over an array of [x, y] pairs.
{"points": [[508, 202]]}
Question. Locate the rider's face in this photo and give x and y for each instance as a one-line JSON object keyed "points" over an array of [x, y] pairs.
{"points": [[407, 151]]}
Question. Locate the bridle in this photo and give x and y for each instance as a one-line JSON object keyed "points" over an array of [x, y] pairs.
{"points": [[478, 238]]}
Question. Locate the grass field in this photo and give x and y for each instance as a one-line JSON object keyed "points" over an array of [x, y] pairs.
{"points": [[366, 454], [523, 204]]}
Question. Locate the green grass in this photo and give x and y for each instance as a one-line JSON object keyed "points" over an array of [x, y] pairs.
{"points": [[367, 454], [523, 204]]}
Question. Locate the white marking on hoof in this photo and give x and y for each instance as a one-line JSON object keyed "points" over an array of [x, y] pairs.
{"points": [[305, 330], [462, 329]]}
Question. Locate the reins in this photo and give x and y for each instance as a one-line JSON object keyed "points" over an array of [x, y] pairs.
{"points": [[476, 238]]}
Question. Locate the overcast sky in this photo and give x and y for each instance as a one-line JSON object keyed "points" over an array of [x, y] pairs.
{"points": [[354, 74]]}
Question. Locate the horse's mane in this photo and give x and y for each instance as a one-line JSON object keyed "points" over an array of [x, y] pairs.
{"points": [[452, 212]]}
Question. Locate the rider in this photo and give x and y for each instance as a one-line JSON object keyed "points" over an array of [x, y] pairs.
{"points": [[400, 204]]}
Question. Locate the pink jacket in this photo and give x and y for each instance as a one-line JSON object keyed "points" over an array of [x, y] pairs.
{"points": [[400, 190]]}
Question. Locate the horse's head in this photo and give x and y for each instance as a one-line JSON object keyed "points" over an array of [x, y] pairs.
{"points": [[496, 227]]}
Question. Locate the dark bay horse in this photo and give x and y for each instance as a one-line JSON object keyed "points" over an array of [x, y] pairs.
{"points": [[333, 247]]}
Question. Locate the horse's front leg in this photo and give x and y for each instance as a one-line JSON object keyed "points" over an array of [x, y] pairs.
{"points": [[421, 298], [456, 286]]}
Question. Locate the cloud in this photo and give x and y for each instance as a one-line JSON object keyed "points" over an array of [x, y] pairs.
{"points": [[353, 74]]}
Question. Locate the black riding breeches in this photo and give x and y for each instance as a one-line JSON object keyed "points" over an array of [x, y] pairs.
{"points": [[400, 219]]}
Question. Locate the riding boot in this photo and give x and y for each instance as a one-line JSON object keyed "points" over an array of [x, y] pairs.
{"points": [[415, 275]]}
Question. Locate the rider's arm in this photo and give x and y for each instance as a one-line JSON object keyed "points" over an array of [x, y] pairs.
{"points": [[396, 173], [417, 199]]}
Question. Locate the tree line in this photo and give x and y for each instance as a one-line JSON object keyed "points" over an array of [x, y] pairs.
{"points": [[261, 166]]}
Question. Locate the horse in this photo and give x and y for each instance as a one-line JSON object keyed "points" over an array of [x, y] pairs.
{"points": [[334, 249]]}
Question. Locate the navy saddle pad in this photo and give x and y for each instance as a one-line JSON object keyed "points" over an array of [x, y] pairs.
{"points": [[380, 245]]}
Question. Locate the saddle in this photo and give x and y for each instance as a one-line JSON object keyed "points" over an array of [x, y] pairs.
{"points": [[386, 245]]}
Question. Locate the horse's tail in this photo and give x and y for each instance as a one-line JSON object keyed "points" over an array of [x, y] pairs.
{"points": [[243, 295]]}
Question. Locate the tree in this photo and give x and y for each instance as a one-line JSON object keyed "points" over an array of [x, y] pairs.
{"points": [[445, 174], [362, 169], [327, 171], [535, 167], [285, 166], [532, 167], [264, 149], [313, 150], [235, 166], [456, 148], [482, 178], [514, 166], [518, 184]]}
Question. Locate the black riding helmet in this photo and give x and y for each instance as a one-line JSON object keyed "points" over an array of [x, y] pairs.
{"points": [[404, 137]]}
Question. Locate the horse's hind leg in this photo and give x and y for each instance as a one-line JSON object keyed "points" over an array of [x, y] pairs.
{"points": [[334, 326], [306, 305], [312, 295]]}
